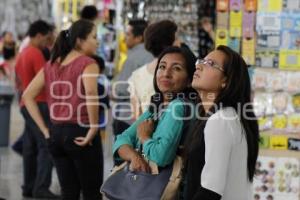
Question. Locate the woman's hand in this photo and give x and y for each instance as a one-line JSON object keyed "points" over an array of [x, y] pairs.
{"points": [[82, 141], [145, 130], [138, 164], [87, 140]]}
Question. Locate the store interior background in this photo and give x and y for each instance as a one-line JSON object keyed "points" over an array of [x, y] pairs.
{"points": [[265, 32]]}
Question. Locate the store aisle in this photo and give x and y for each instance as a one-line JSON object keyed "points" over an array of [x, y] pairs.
{"points": [[11, 163]]}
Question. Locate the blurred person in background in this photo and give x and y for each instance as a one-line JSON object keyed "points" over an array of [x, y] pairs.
{"points": [[9, 54], [37, 163], [89, 12], [158, 36], [18, 144], [206, 36], [7, 39], [72, 138], [137, 56]]}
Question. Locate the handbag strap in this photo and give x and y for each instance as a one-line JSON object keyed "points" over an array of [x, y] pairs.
{"points": [[174, 178], [177, 167]]}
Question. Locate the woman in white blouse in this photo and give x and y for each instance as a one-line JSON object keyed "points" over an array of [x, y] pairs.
{"points": [[158, 36], [222, 148]]}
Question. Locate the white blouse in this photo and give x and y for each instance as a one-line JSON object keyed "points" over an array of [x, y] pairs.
{"points": [[141, 86], [225, 170]]}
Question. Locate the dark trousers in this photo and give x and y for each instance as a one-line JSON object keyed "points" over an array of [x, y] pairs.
{"points": [[119, 127], [37, 162], [78, 168]]}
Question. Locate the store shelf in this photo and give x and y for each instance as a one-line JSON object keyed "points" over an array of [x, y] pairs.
{"points": [[289, 135], [279, 153]]}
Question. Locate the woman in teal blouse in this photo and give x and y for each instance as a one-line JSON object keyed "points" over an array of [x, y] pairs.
{"points": [[159, 129]]}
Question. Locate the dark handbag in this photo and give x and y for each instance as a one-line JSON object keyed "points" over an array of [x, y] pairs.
{"points": [[128, 185], [124, 184]]}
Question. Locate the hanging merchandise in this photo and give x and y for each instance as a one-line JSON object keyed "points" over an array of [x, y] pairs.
{"points": [[187, 14], [17, 15], [106, 34], [236, 27]]}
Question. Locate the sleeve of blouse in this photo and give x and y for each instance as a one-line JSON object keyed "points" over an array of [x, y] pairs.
{"points": [[218, 144], [129, 135], [162, 147], [132, 84]]}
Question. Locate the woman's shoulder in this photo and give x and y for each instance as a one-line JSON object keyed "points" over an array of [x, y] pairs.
{"points": [[225, 119], [177, 106], [140, 71], [225, 114], [85, 60]]}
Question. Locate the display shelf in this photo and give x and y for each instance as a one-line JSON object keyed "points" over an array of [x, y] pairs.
{"points": [[289, 135], [279, 153]]}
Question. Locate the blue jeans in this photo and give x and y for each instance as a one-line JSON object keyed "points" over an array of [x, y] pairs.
{"points": [[37, 162]]}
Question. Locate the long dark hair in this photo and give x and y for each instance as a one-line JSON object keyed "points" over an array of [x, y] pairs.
{"points": [[188, 92], [236, 94], [66, 40]]}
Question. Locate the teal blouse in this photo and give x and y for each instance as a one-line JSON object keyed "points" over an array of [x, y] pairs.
{"points": [[162, 147]]}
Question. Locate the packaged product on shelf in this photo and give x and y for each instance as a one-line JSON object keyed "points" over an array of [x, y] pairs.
{"points": [[268, 42], [280, 102], [248, 50], [248, 24], [270, 5], [262, 104], [234, 43], [289, 59], [291, 5], [250, 5], [296, 102], [290, 40], [268, 23], [236, 5], [294, 144], [276, 81], [276, 178], [264, 179], [264, 141], [222, 5], [287, 179], [222, 37], [264, 123], [266, 58], [290, 21], [260, 79], [279, 122], [222, 20], [278, 142], [293, 82], [235, 23], [294, 123]]}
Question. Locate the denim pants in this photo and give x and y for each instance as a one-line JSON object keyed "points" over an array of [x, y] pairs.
{"points": [[78, 168], [37, 162]]}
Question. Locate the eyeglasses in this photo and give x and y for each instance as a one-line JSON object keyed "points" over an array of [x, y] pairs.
{"points": [[209, 63]]}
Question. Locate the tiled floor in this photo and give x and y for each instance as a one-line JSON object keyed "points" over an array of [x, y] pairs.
{"points": [[11, 163]]}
